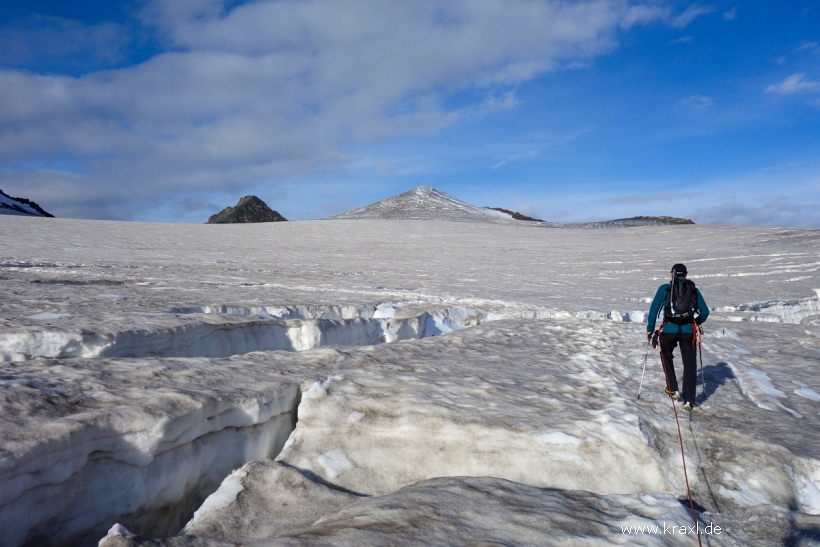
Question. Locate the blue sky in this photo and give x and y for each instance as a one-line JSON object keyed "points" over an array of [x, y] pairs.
{"points": [[163, 110]]}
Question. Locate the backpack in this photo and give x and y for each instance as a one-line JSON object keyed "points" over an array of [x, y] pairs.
{"points": [[682, 302]]}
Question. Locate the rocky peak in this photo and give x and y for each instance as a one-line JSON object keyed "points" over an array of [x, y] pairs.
{"points": [[249, 209]]}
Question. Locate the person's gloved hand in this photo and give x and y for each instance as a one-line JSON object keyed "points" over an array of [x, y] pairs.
{"points": [[648, 335]]}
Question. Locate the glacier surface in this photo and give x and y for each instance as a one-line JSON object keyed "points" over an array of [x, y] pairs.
{"points": [[374, 382]]}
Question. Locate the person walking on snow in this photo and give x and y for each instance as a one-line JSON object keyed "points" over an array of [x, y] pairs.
{"points": [[684, 311]]}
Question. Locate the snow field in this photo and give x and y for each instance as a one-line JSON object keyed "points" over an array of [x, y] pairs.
{"points": [[65, 266], [767, 363], [536, 399]]}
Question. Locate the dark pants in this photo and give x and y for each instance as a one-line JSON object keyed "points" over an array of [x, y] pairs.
{"points": [[689, 354]]}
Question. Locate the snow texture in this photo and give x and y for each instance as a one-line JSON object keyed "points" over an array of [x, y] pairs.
{"points": [[391, 382], [334, 463]]}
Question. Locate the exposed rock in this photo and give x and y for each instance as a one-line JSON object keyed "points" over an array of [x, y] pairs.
{"points": [[515, 214], [661, 219], [20, 206], [249, 209]]}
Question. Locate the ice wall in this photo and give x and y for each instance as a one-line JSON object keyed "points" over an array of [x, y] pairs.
{"points": [[242, 330], [146, 468], [205, 339], [805, 311]]}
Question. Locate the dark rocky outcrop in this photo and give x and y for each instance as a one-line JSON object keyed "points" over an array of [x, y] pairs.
{"points": [[515, 214], [661, 219], [21, 206], [249, 209]]}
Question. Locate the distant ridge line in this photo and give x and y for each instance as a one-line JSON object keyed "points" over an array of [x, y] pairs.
{"points": [[670, 220], [428, 203]]}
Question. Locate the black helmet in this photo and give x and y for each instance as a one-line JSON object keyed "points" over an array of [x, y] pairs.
{"points": [[679, 270]]}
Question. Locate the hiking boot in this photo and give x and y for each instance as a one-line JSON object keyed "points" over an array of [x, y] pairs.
{"points": [[689, 406], [674, 394]]}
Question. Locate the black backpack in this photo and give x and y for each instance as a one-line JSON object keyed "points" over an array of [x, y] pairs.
{"points": [[681, 303]]}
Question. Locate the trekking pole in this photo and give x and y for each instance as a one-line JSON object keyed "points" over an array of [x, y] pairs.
{"points": [[645, 357], [700, 354]]}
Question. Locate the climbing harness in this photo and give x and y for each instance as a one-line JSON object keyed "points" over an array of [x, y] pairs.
{"points": [[683, 457]]}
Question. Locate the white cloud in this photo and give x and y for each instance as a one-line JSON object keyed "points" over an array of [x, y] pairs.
{"points": [[494, 101], [776, 212], [681, 40], [516, 157], [274, 89], [697, 103], [642, 14], [692, 12], [796, 83], [809, 46], [730, 15]]}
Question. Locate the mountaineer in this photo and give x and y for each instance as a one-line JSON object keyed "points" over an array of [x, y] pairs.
{"points": [[684, 309]]}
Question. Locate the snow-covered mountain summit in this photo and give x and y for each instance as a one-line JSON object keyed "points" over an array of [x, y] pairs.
{"points": [[20, 206], [426, 203]]}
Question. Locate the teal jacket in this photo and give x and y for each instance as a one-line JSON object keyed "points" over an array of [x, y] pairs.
{"points": [[660, 301]]}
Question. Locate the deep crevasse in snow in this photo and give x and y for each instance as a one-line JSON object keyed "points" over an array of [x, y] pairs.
{"points": [[148, 467]]}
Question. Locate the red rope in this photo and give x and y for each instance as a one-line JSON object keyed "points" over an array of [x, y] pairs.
{"points": [[680, 440]]}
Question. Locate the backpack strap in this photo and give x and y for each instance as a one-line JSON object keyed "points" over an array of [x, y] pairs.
{"points": [[663, 308]]}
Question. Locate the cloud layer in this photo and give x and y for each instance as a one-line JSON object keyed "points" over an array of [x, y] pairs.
{"points": [[270, 90], [775, 212]]}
